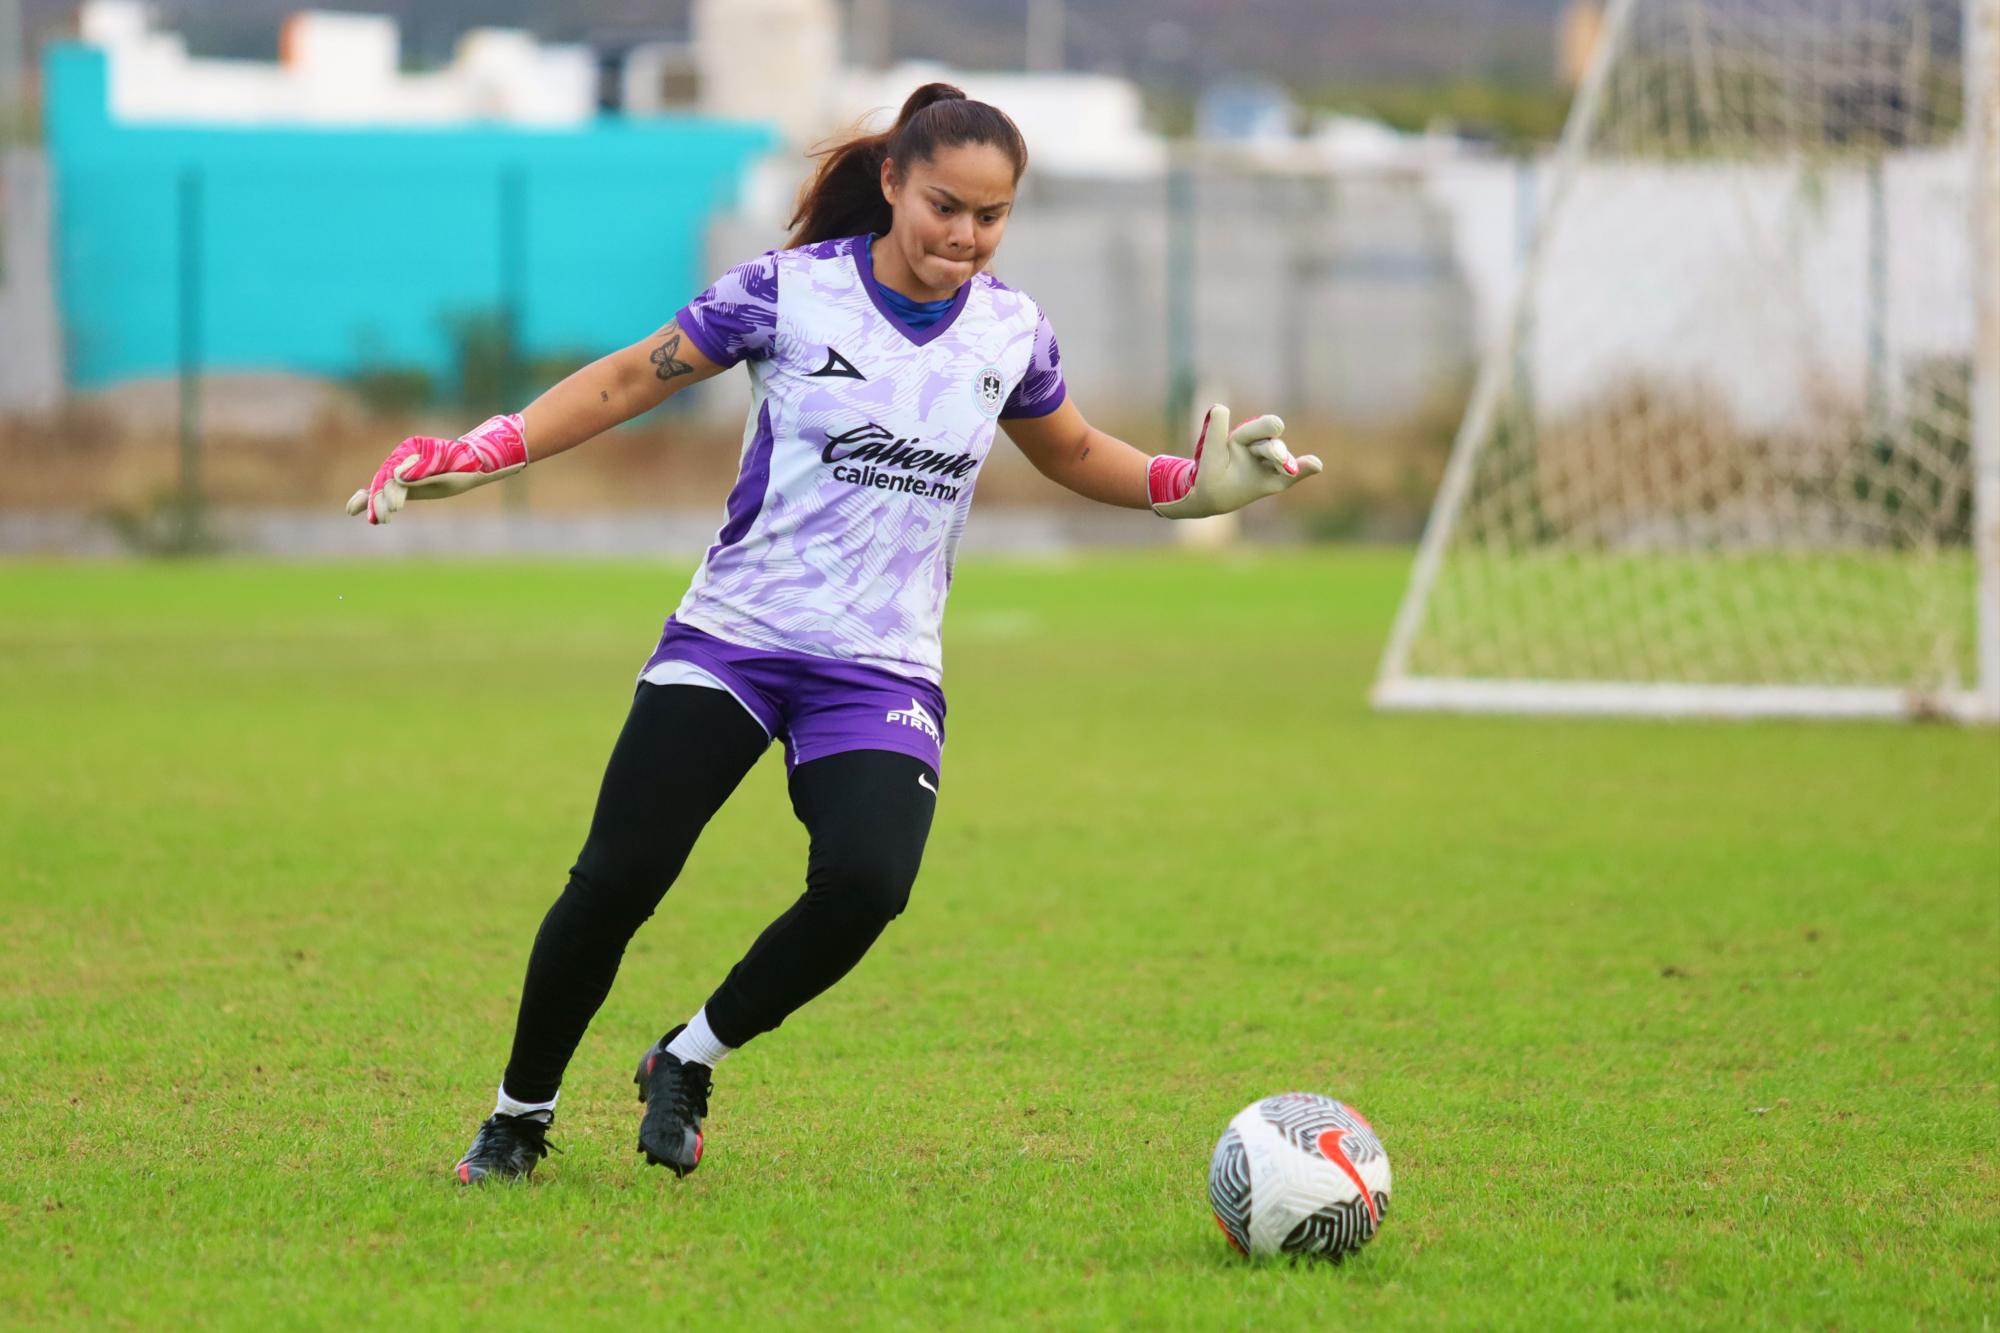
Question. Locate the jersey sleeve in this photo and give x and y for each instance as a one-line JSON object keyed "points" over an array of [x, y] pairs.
{"points": [[737, 318], [1041, 391]]}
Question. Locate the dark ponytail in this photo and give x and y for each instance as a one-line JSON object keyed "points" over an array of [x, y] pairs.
{"points": [[844, 197]]}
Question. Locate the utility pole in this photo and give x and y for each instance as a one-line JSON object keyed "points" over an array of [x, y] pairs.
{"points": [[12, 51], [1045, 36], [868, 34], [190, 532]]}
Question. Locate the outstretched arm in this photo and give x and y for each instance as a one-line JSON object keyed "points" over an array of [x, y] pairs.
{"points": [[609, 390], [1227, 472], [1074, 454], [614, 389]]}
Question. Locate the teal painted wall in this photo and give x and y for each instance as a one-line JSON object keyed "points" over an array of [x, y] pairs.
{"points": [[331, 251]]}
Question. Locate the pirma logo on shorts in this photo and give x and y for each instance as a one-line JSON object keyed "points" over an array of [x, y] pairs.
{"points": [[916, 715]]}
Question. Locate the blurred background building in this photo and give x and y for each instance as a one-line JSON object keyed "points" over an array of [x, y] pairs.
{"points": [[688, 148], [313, 248], [403, 216]]}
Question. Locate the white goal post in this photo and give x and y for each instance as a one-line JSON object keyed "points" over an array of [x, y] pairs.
{"points": [[1737, 449]]}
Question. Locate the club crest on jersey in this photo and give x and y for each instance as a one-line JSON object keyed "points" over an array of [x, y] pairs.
{"points": [[990, 391]]}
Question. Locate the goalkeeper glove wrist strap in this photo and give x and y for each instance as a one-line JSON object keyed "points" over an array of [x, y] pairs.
{"points": [[1168, 478], [499, 442]]}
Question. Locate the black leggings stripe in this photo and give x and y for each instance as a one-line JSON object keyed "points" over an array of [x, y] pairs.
{"points": [[683, 750]]}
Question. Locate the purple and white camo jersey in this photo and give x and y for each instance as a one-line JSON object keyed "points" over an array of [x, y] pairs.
{"points": [[860, 454]]}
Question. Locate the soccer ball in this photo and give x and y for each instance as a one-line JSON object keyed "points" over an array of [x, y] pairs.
{"points": [[1299, 1174]]}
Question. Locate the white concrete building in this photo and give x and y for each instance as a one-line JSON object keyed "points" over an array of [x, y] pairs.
{"points": [[337, 69], [770, 60], [1075, 124]]}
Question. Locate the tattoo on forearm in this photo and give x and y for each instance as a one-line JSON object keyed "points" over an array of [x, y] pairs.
{"points": [[1084, 454], [604, 395], [670, 366]]}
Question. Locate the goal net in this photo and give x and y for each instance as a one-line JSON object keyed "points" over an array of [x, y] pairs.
{"points": [[1738, 449]]}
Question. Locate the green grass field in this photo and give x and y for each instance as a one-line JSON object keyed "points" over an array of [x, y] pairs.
{"points": [[1662, 1025], [1905, 619]]}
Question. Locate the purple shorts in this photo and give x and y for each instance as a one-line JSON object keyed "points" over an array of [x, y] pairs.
{"points": [[816, 705]]}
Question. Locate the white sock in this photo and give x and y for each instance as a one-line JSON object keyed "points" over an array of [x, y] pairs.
{"points": [[543, 1111], [698, 1042]]}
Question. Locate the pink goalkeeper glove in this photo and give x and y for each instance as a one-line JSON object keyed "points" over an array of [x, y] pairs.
{"points": [[1246, 464], [426, 468]]}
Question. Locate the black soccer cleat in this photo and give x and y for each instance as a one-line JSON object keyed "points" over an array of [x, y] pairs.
{"points": [[676, 1096], [505, 1148]]}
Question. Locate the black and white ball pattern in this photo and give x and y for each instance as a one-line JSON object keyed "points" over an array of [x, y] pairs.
{"points": [[1229, 1189], [1299, 1174]]}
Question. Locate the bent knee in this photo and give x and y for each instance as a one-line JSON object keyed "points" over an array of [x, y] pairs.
{"points": [[868, 886], [623, 886]]}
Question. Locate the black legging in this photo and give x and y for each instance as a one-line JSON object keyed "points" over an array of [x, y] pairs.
{"points": [[683, 750]]}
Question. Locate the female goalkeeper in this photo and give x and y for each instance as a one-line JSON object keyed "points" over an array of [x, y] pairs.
{"points": [[881, 355]]}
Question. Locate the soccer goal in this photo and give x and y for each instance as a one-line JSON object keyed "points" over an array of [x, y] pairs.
{"points": [[1737, 451]]}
